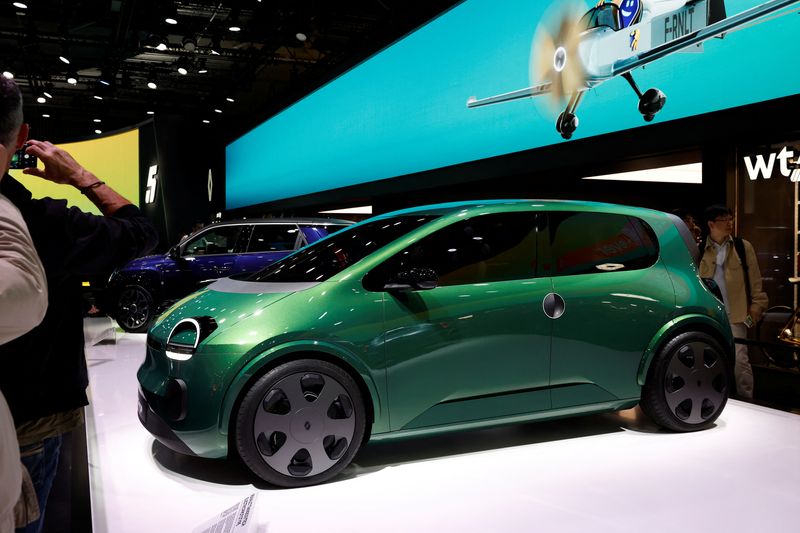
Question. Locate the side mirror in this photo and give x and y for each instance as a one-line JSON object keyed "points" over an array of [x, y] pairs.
{"points": [[416, 279], [174, 252]]}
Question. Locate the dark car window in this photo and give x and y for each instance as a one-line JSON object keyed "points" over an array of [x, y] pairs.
{"points": [[589, 243], [323, 259], [218, 240], [486, 248], [273, 238]]}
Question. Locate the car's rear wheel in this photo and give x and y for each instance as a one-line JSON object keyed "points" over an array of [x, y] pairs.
{"points": [[301, 423], [135, 309], [687, 384]]}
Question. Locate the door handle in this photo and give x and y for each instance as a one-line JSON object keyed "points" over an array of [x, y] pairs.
{"points": [[553, 305]]}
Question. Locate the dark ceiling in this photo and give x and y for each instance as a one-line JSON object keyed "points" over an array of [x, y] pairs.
{"points": [[283, 50]]}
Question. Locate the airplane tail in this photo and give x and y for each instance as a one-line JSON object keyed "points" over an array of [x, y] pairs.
{"points": [[716, 11]]}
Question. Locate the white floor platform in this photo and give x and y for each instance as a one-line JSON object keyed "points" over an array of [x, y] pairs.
{"points": [[613, 472]]}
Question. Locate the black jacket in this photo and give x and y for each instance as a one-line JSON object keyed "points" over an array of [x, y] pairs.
{"points": [[44, 372]]}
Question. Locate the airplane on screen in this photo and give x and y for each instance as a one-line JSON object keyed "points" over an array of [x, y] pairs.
{"points": [[616, 37]]}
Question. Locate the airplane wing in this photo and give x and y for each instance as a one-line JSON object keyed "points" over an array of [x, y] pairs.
{"points": [[690, 39], [528, 92]]}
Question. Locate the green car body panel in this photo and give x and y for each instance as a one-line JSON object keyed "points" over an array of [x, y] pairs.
{"points": [[454, 357]]}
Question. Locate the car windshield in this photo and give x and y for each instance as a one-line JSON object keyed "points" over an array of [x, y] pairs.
{"points": [[602, 15], [330, 256]]}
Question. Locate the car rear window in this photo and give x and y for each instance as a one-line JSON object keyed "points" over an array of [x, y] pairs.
{"points": [[590, 243]]}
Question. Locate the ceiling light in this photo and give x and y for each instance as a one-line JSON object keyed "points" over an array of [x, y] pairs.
{"points": [[64, 59], [151, 112], [206, 121], [183, 65], [152, 84], [47, 94], [9, 75], [98, 131], [233, 23], [41, 99], [229, 99], [162, 44], [302, 37], [171, 15], [20, 5], [72, 78], [202, 71], [98, 120], [218, 111], [45, 115], [97, 97]]}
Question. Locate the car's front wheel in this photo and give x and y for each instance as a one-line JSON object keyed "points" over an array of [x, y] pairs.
{"points": [[687, 384], [301, 423], [135, 309]]}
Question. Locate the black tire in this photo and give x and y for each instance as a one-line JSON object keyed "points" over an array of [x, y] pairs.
{"points": [[784, 355], [688, 383], [289, 439], [135, 309]]}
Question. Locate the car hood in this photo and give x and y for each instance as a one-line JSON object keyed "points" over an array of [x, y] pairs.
{"points": [[227, 301]]}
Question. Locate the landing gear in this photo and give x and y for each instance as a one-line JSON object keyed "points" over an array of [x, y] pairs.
{"points": [[651, 102], [567, 122]]}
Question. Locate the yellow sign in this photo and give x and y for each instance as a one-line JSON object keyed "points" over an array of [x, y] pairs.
{"points": [[113, 159]]}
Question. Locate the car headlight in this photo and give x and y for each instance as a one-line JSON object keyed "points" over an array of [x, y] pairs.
{"points": [[187, 334]]}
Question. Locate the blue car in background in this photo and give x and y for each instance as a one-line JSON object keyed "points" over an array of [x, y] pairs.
{"points": [[139, 291]]}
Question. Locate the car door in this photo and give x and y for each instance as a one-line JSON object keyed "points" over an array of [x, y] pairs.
{"points": [[615, 295], [212, 253], [268, 242], [477, 346]]}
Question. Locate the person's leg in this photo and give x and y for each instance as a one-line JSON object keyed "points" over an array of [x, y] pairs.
{"points": [[41, 460], [742, 371]]}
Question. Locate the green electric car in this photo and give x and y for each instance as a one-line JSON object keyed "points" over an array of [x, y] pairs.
{"points": [[435, 319]]}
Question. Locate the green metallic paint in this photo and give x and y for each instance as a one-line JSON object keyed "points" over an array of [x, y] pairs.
{"points": [[455, 343], [455, 357]]}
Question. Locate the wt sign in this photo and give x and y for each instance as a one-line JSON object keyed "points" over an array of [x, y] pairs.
{"points": [[150, 193], [764, 166]]}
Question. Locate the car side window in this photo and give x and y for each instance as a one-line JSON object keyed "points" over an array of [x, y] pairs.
{"points": [[485, 248], [218, 240], [590, 243], [273, 238]]}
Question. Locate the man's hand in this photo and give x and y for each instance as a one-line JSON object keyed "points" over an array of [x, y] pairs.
{"points": [[756, 312], [59, 166]]}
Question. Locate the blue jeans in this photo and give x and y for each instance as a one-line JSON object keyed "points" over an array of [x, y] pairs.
{"points": [[41, 460]]}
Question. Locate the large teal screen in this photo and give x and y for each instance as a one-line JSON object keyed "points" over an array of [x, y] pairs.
{"points": [[404, 109]]}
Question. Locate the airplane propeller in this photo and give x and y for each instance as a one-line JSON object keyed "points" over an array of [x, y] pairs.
{"points": [[555, 57]]}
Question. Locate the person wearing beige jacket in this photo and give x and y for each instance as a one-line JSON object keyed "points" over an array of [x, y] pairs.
{"points": [[744, 305], [23, 302]]}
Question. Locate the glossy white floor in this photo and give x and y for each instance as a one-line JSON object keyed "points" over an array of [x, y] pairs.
{"points": [[612, 472]]}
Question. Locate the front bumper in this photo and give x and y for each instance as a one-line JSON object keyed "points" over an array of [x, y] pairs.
{"points": [[159, 428]]}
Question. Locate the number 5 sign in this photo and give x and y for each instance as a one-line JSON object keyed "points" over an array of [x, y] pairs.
{"points": [[150, 193]]}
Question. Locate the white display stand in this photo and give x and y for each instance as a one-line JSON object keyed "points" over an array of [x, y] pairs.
{"points": [[614, 472]]}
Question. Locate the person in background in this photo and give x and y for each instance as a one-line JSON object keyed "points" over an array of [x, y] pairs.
{"points": [[23, 302], [44, 376], [197, 226], [691, 223], [733, 265]]}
